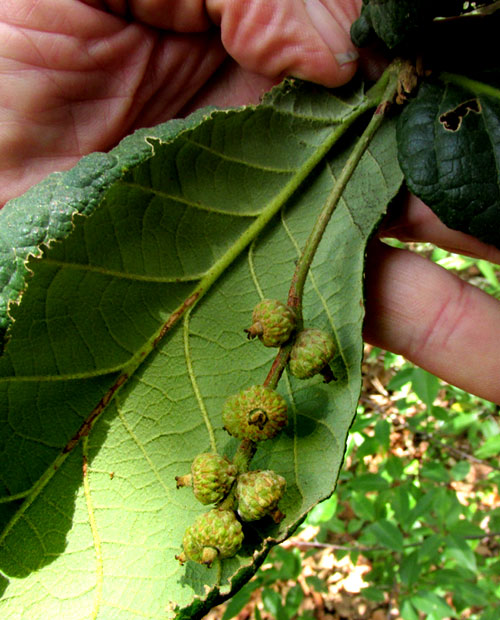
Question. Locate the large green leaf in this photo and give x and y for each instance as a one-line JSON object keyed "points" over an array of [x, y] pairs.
{"points": [[45, 213], [129, 336]]}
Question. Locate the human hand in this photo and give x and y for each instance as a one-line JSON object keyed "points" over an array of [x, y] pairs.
{"points": [[78, 76], [425, 313]]}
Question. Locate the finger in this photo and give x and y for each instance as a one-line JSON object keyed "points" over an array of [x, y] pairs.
{"points": [[441, 323], [304, 38], [177, 15], [412, 220], [232, 85], [75, 80]]}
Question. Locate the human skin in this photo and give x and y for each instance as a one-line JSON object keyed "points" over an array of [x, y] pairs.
{"points": [[77, 76]]}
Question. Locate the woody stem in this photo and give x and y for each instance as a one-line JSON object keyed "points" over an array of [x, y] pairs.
{"points": [[382, 94]]}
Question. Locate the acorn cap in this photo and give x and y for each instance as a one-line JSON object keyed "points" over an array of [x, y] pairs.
{"points": [[212, 477], [273, 322], [214, 534], [258, 493], [257, 413], [311, 352]]}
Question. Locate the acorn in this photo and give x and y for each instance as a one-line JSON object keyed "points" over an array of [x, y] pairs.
{"points": [[216, 534], [272, 322], [211, 477], [258, 493], [257, 413], [312, 350]]}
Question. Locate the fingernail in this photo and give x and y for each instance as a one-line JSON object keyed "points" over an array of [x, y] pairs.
{"points": [[346, 57], [329, 31]]}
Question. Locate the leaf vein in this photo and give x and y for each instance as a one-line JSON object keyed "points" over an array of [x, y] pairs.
{"points": [[95, 532], [251, 266], [243, 162], [194, 384], [195, 205], [125, 275], [138, 443]]}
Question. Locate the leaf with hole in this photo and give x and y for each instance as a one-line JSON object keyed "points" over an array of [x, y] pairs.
{"points": [[449, 151]]}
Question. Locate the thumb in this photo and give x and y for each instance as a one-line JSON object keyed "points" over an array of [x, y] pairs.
{"points": [[308, 39]]}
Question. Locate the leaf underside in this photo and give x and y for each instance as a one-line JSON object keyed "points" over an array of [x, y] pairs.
{"points": [[449, 151], [101, 520]]}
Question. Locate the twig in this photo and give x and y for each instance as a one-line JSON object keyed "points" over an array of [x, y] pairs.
{"points": [[385, 93], [430, 437], [299, 544]]}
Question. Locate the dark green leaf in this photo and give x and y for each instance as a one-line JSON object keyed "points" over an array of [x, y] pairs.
{"points": [[386, 534], [410, 568], [272, 602], [494, 519], [354, 525], [288, 563], [324, 511], [430, 549], [400, 503], [238, 601], [491, 447], [449, 577], [316, 583], [394, 466], [401, 378], [393, 21], [369, 446], [449, 151], [369, 482], [293, 600], [431, 603], [383, 433], [463, 528], [408, 611], [363, 506], [373, 594], [467, 594], [490, 614], [458, 423], [422, 506], [425, 386], [460, 470], [361, 422], [435, 471], [458, 549]]}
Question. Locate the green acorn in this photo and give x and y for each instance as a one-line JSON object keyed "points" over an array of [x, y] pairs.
{"points": [[258, 493], [211, 477], [257, 413], [273, 322], [311, 352], [214, 534]]}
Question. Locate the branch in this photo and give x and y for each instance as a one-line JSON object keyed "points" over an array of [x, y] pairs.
{"points": [[382, 95], [299, 544]]}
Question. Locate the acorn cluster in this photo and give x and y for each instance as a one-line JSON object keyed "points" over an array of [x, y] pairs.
{"points": [[276, 324], [218, 533], [255, 414]]}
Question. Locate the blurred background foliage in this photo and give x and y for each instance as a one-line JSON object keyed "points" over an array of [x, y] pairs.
{"points": [[413, 529]]}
